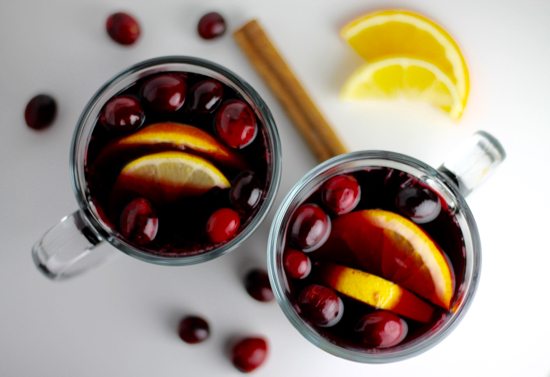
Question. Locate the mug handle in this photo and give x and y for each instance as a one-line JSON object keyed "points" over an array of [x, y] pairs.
{"points": [[473, 162], [69, 248]]}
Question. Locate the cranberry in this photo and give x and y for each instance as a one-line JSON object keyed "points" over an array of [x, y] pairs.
{"points": [[123, 28], [341, 194], [321, 305], [249, 353], [381, 329], [165, 93], [222, 225], [421, 204], [139, 221], [246, 192], [309, 227], [297, 264], [211, 25], [257, 285], [122, 114], [236, 124], [193, 329], [205, 96], [40, 111]]}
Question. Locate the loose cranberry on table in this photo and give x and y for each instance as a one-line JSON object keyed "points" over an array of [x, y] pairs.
{"points": [[123, 28], [321, 305], [381, 329], [419, 203], [309, 227], [165, 93], [257, 285], [249, 353], [341, 194], [297, 264], [222, 225], [211, 25], [246, 192], [139, 221], [205, 96], [236, 124], [122, 114], [40, 111], [193, 329]]}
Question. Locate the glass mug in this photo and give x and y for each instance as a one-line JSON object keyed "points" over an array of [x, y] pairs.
{"points": [[69, 248], [456, 178]]}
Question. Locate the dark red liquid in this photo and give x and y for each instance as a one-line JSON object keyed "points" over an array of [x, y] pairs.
{"points": [[379, 189], [182, 223]]}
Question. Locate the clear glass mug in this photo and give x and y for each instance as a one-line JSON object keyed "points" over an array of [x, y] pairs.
{"points": [[69, 248], [456, 178]]}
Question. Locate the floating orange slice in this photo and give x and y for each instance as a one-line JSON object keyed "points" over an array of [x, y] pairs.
{"points": [[388, 245]]}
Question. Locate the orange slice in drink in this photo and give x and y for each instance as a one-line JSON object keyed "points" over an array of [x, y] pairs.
{"points": [[390, 246], [168, 176]]}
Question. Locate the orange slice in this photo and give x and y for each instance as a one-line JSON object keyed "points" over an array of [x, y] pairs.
{"points": [[168, 176], [374, 291], [393, 247]]}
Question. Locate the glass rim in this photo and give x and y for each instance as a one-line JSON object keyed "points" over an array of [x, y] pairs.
{"points": [[83, 131], [413, 348]]}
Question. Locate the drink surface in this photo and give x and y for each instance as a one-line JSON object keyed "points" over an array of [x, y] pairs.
{"points": [[382, 268], [178, 164]]}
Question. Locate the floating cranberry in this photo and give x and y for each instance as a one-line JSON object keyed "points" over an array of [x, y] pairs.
{"points": [[122, 114], [123, 28], [341, 194], [222, 225], [205, 96], [421, 204], [257, 285], [381, 329], [236, 124], [321, 305], [249, 353], [297, 264], [139, 221], [193, 329], [40, 111], [246, 192], [211, 25], [165, 93], [309, 227]]}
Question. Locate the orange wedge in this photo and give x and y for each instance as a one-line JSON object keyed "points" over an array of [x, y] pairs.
{"points": [[168, 176], [374, 291], [388, 245]]}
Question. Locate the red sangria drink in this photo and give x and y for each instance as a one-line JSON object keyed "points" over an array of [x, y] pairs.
{"points": [[374, 256]]}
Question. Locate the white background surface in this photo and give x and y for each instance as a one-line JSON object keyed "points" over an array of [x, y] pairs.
{"points": [[121, 320]]}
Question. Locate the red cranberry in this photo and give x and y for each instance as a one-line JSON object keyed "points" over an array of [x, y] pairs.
{"points": [[421, 204], [297, 264], [246, 192], [236, 124], [249, 353], [205, 96], [309, 227], [381, 329], [139, 221], [257, 285], [123, 28], [193, 329], [321, 305], [122, 114], [341, 194], [164, 93], [211, 25], [40, 111], [222, 225]]}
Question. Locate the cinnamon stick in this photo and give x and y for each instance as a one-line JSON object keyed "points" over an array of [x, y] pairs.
{"points": [[306, 116]]}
